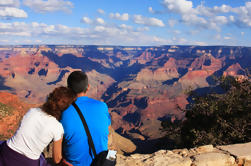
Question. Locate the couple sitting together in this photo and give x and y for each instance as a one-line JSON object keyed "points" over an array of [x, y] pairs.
{"points": [[57, 120]]}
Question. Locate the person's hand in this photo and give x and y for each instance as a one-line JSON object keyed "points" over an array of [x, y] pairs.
{"points": [[64, 163]]}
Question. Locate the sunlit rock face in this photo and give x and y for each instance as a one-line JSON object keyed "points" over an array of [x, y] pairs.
{"points": [[142, 86], [228, 155]]}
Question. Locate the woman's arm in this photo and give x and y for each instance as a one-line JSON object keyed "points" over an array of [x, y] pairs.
{"points": [[57, 151]]}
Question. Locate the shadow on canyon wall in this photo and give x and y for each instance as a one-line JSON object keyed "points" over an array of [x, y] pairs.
{"points": [[84, 63], [2, 86]]}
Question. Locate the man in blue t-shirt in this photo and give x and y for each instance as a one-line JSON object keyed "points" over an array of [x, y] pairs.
{"points": [[75, 142]]}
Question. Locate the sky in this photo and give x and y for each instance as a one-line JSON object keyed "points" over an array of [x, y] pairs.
{"points": [[125, 22]]}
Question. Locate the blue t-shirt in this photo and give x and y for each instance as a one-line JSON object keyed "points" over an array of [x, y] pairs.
{"points": [[75, 143]]}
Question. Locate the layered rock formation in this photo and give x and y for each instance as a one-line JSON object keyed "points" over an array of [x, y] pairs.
{"points": [[142, 86]]}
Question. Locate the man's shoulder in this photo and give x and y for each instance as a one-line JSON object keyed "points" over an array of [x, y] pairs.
{"points": [[93, 102], [92, 99], [98, 102]]}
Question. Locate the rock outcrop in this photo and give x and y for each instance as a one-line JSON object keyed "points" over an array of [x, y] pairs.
{"points": [[229, 155], [119, 143], [12, 110]]}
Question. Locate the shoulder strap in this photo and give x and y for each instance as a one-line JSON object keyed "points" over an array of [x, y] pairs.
{"points": [[90, 141]]}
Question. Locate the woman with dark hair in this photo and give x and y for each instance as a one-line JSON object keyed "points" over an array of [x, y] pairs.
{"points": [[38, 128]]}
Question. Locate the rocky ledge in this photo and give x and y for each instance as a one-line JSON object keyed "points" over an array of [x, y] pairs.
{"points": [[208, 155]]}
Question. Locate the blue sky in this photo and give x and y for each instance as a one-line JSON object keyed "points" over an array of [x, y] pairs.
{"points": [[126, 22]]}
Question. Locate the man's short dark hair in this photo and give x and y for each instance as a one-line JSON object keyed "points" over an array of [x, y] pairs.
{"points": [[78, 82]]}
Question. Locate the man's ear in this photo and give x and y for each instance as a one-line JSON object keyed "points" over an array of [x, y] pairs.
{"points": [[88, 87]]}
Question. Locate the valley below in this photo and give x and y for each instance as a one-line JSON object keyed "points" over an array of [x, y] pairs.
{"points": [[142, 86]]}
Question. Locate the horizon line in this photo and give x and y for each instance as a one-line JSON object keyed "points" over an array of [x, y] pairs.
{"points": [[14, 45]]}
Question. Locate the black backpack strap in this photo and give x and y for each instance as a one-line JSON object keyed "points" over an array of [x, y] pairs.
{"points": [[90, 141]]}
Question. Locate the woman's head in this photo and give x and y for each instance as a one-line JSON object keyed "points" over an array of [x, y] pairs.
{"points": [[58, 100]]}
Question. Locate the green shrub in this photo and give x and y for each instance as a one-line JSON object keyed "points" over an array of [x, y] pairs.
{"points": [[219, 119], [216, 119], [5, 110]]}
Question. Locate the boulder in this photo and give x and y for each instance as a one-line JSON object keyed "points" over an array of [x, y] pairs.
{"points": [[160, 158], [119, 143], [213, 159], [242, 152]]}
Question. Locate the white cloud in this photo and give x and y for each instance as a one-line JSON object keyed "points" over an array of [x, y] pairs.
{"points": [[50, 29], [12, 12], [227, 38], [194, 32], [244, 15], [160, 40], [179, 6], [209, 18], [231, 18], [181, 40], [14, 29], [172, 22], [22, 33], [218, 37], [150, 9], [122, 17], [100, 21], [242, 33], [139, 19], [38, 41], [35, 29], [43, 6], [9, 3], [9, 10], [176, 32], [99, 28], [185, 9], [222, 9], [221, 19], [34, 24], [141, 29], [124, 35], [89, 21], [41, 33], [130, 28], [200, 43], [202, 10], [193, 19], [100, 11], [240, 16], [4, 41], [86, 20], [124, 26]]}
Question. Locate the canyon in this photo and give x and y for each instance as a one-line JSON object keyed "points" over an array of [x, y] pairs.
{"points": [[142, 86]]}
